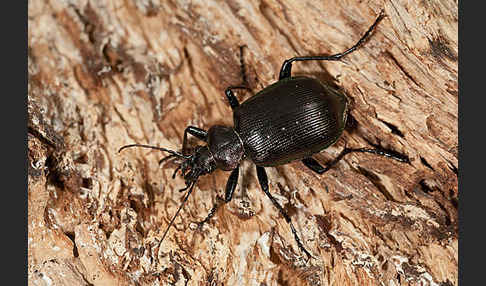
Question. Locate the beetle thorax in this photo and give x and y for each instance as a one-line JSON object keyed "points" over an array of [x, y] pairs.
{"points": [[225, 146]]}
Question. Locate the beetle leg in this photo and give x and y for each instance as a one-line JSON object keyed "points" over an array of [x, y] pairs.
{"points": [[382, 152], [196, 132], [316, 167], [262, 178], [286, 68], [233, 101], [242, 66], [313, 165], [231, 185], [230, 189]]}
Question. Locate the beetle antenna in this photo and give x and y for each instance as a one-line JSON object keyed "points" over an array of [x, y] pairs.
{"points": [[177, 212], [156, 148]]}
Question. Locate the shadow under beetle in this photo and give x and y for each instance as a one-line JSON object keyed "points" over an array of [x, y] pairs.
{"points": [[289, 120]]}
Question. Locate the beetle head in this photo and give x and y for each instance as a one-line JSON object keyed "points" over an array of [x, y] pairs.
{"points": [[199, 163]]}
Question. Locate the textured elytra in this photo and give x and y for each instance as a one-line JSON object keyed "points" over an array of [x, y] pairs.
{"points": [[290, 120]]}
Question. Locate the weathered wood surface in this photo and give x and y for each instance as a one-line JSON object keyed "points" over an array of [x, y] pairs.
{"points": [[102, 74]]}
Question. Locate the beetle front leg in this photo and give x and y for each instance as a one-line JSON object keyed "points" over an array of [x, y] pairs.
{"points": [[199, 133], [285, 70], [263, 179], [230, 189]]}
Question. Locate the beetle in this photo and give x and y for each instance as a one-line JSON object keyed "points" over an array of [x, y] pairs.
{"points": [[290, 120]]}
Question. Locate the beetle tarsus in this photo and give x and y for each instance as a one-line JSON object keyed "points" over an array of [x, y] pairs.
{"points": [[211, 213], [263, 180], [382, 152], [243, 66], [230, 189], [233, 101]]}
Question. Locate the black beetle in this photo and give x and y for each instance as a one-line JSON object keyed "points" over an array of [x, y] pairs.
{"points": [[289, 120]]}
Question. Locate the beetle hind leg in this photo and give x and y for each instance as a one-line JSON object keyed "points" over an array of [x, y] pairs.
{"points": [[263, 180], [285, 70], [314, 165], [319, 169]]}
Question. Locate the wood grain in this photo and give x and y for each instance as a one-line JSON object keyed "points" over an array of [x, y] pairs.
{"points": [[102, 74]]}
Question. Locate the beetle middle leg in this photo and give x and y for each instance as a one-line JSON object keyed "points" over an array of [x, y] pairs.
{"points": [[233, 101], [312, 164], [263, 179], [230, 189], [286, 68]]}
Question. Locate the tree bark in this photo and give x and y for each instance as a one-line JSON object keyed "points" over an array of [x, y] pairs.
{"points": [[103, 74]]}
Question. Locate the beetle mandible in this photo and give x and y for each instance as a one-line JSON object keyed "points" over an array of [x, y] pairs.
{"points": [[290, 120]]}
